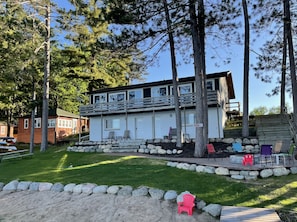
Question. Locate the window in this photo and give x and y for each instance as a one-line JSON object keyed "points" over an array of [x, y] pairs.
{"points": [[112, 124], [135, 94], [159, 91], [101, 98], [51, 123], [189, 119], [37, 122], [185, 89], [2, 130], [116, 97], [26, 123], [210, 85], [64, 123]]}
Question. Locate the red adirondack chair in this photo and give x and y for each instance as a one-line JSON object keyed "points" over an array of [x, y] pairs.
{"points": [[248, 159], [187, 205]]}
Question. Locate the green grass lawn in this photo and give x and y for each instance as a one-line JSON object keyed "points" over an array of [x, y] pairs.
{"points": [[58, 165]]}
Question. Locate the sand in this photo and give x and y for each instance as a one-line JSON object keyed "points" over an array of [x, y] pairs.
{"points": [[63, 206]]}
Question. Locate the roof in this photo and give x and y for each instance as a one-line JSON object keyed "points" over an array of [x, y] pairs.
{"points": [[61, 112], [226, 74], [56, 113]]}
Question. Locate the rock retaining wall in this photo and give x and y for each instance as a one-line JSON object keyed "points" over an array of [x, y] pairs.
{"points": [[150, 147], [93, 189], [235, 174]]}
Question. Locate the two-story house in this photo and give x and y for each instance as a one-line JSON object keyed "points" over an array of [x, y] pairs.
{"points": [[146, 110]]}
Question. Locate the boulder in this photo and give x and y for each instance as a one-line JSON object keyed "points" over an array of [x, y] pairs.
{"points": [[200, 169], [170, 195], [222, 171], [293, 170], [209, 169], [140, 191], [23, 185], [213, 209], [237, 177], [57, 187], [125, 191], [77, 188], [113, 189], [100, 189], [87, 188], [11, 186], [282, 171], [156, 193], [69, 187], [34, 186], [266, 173]]}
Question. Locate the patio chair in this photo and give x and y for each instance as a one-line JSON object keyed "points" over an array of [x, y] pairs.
{"points": [[289, 154], [126, 135], [266, 154], [248, 159], [187, 204], [211, 150], [237, 147], [111, 135], [281, 149]]}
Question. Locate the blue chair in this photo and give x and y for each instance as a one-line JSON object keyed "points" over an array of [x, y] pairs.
{"points": [[237, 147]]}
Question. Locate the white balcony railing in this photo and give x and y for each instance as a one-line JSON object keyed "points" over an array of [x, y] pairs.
{"points": [[152, 103]]}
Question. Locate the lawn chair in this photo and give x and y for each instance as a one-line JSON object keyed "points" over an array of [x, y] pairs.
{"points": [[248, 159], [187, 205], [126, 135], [211, 151], [281, 149], [266, 154], [237, 147], [111, 136], [290, 153]]}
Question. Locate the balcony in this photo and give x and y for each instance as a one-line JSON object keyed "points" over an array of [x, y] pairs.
{"points": [[145, 104]]}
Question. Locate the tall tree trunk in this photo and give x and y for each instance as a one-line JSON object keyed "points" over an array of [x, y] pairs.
{"points": [[284, 68], [201, 32], [174, 76], [199, 139], [291, 58], [44, 141], [245, 118], [32, 119]]}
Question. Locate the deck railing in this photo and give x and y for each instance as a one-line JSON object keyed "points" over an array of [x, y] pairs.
{"points": [[151, 103]]}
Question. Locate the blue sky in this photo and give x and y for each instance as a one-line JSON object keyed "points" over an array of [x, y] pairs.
{"points": [[257, 89]]}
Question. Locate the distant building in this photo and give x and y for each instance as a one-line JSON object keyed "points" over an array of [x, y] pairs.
{"points": [[60, 124], [4, 131], [146, 110]]}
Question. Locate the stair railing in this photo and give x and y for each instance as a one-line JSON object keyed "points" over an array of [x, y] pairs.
{"points": [[293, 129]]}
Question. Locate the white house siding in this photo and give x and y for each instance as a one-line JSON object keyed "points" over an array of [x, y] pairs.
{"points": [[150, 125]]}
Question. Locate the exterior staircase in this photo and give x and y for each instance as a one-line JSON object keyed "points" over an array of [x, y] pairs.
{"points": [[271, 128]]}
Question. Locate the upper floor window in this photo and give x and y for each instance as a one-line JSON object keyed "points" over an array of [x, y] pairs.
{"points": [[210, 85], [116, 97], [100, 98], [159, 91], [183, 89], [135, 94]]}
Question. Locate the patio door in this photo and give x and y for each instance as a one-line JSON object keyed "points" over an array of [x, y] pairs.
{"points": [[143, 128]]}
